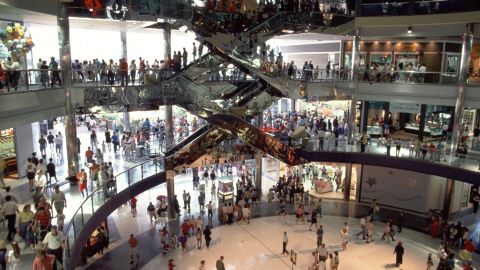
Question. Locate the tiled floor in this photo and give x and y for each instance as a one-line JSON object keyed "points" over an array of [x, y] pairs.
{"points": [[140, 225], [258, 245]]}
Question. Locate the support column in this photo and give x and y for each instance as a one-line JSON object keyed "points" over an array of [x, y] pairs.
{"points": [[167, 43], [259, 158], [461, 87], [421, 125], [447, 202], [66, 66], [171, 194], [354, 75], [347, 182], [126, 114], [364, 117]]}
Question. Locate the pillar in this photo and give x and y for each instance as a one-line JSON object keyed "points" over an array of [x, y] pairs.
{"points": [[447, 201], [347, 182], [364, 119], [259, 158], [354, 75], [167, 43], [461, 87], [421, 124], [66, 66], [171, 194], [126, 114], [123, 39], [358, 8]]}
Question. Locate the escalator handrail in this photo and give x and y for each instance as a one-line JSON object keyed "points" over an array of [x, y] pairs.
{"points": [[197, 133]]}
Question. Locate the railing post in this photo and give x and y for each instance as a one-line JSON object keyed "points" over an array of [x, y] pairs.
{"points": [[81, 211], [128, 177], [141, 168]]}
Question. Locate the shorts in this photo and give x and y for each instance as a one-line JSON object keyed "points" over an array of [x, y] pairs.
{"points": [[30, 175]]}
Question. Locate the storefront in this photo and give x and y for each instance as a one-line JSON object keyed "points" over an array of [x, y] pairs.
{"points": [[436, 56], [408, 120], [8, 153], [474, 64]]}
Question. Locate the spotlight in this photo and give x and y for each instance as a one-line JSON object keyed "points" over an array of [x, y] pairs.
{"points": [[409, 30]]}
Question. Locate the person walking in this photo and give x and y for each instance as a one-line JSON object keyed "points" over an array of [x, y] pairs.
{"points": [[58, 145], [198, 236], [400, 221], [363, 227], [82, 181], [209, 210], [151, 212], [134, 256], [43, 145], [208, 235], [399, 251], [202, 265], [54, 241], [30, 171], [319, 236], [335, 261], [133, 206], [388, 232], [313, 219], [10, 210], [220, 265], [322, 254], [59, 200], [370, 229], [284, 243], [52, 172], [171, 265]]}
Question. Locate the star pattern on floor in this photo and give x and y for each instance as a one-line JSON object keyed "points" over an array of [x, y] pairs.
{"points": [[371, 181]]}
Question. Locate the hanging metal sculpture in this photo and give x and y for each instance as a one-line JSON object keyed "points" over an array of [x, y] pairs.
{"points": [[116, 10], [93, 6]]}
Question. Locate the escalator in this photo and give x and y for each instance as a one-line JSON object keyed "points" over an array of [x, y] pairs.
{"points": [[196, 134]]}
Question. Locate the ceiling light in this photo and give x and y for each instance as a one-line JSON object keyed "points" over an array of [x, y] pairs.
{"points": [[409, 30]]}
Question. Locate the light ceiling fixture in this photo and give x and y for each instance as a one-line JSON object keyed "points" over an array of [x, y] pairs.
{"points": [[409, 30]]}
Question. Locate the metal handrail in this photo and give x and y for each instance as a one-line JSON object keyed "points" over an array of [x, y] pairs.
{"points": [[98, 192]]}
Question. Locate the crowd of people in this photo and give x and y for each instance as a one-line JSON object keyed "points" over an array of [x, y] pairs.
{"points": [[47, 73]]}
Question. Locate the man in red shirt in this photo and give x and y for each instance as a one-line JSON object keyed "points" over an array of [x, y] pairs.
{"points": [[132, 242], [123, 70], [89, 155], [43, 261], [44, 218], [133, 205]]}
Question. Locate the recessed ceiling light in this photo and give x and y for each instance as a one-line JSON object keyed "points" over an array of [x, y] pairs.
{"points": [[409, 30]]}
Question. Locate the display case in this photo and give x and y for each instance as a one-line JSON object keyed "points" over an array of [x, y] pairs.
{"points": [[225, 189], [374, 131]]}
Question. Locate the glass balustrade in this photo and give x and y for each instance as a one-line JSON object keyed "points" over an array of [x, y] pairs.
{"points": [[101, 194]]}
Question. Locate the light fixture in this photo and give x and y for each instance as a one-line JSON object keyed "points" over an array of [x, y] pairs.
{"points": [[409, 30]]}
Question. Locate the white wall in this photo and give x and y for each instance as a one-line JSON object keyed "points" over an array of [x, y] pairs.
{"points": [[413, 191], [45, 38], [24, 145]]}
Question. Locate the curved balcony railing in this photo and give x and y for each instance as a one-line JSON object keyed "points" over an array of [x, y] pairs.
{"points": [[101, 194], [424, 7]]}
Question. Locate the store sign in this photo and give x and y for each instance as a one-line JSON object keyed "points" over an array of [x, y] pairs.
{"points": [[404, 107]]}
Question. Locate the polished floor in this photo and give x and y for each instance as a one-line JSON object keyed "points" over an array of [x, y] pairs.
{"points": [[142, 226], [258, 245]]}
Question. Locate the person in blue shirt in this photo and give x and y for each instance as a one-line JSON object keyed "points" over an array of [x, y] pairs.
{"points": [[115, 142]]}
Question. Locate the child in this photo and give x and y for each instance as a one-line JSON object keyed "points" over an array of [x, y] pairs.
{"points": [[60, 221]]}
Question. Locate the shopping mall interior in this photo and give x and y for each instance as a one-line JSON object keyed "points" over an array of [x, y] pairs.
{"points": [[294, 134]]}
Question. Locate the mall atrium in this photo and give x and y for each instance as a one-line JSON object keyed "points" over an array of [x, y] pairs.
{"points": [[240, 134]]}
